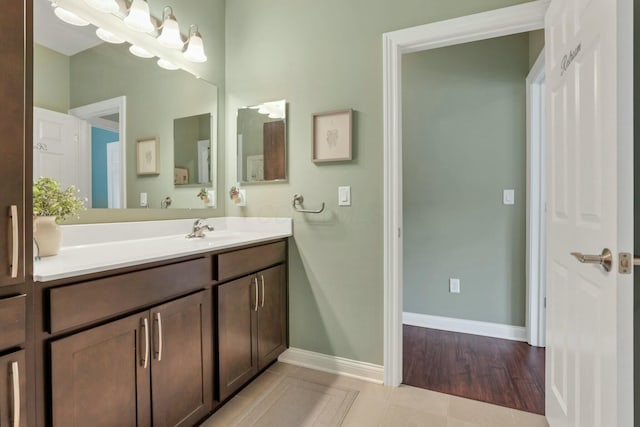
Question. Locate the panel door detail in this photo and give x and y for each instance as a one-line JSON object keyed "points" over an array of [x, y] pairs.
{"points": [[181, 371], [100, 377]]}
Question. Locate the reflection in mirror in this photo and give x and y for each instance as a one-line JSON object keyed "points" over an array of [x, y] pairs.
{"points": [[192, 150], [79, 71], [261, 133]]}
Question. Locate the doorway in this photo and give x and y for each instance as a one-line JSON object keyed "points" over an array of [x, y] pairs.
{"points": [[466, 171], [513, 20], [107, 136]]}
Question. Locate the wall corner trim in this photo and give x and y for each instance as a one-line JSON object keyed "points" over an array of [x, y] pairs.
{"points": [[487, 329], [333, 364]]}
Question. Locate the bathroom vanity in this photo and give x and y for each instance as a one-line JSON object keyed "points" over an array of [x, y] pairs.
{"points": [[161, 336]]}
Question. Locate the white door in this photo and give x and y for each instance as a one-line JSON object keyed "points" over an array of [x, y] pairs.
{"points": [[113, 175], [589, 380], [59, 150]]}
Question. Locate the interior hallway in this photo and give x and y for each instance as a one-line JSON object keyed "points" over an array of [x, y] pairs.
{"points": [[493, 370]]}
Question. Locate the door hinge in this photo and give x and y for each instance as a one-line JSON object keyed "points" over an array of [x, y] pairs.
{"points": [[544, 302], [398, 232]]}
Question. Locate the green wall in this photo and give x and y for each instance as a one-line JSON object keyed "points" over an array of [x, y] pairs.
{"points": [[464, 141], [322, 56], [50, 79]]}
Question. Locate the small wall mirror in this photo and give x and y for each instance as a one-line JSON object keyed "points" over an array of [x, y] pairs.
{"points": [[262, 143], [192, 151]]}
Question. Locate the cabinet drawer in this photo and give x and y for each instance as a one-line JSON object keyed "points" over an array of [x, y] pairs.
{"points": [[12, 321], [82, 303], [244, 261]]}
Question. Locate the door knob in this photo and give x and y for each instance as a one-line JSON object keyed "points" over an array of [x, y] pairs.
{"points": [[604, 259]]}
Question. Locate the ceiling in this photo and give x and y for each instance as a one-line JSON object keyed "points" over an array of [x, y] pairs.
{"points": [[51, 32]]}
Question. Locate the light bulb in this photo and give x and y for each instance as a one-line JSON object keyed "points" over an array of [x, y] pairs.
{"points": [[139, 18], [163, 63], [138, 51], [70, 17], [106, 6], [170, 35], [108, 36], [195, 49]]}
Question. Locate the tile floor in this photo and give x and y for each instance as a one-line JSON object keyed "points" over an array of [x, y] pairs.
{"points": [[377, 405]]}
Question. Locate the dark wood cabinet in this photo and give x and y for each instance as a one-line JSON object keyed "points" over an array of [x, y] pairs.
{"points": [[252, 326], [13, 395], [100, 377], [151, 368], [272, 313], [182, 365], [15, 131], [237, 350]]}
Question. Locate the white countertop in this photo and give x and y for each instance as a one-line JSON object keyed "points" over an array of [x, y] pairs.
{"points": [[92, 248]]}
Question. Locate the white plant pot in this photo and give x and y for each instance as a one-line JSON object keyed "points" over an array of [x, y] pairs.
{"points": [[47, 235]]}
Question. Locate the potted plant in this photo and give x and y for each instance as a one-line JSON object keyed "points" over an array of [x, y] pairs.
{"points": [[234, 194], [51, 206], [203, 195]]}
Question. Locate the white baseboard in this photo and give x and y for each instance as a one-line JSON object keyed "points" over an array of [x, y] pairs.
{"points": [[334, 364], [487, 329]]}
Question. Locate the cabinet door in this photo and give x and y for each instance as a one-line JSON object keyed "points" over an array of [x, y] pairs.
{"points": [[181, 371], [100, 377], [237, 342], [12, 130], [272, 314], [13, 396]]}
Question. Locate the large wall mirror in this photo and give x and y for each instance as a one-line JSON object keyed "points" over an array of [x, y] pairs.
{"points": [[262, 143], [104, 100]]}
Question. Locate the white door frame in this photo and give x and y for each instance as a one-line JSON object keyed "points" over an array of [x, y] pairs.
{"points": [[536, 201], [500, 22], [92, 114]]}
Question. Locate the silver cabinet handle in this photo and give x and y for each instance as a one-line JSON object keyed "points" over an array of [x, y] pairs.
{"points": [[15, 243], [15, 380], [158, 353], [604, 259], [262, 280], [255, 282], [145, 355]]}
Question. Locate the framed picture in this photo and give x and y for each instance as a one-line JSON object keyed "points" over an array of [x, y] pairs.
{"points": [[180, 176], [331, 135], [148, 151]]}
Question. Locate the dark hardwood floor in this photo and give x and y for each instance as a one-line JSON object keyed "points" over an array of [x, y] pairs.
{"points": [[502, 372]]}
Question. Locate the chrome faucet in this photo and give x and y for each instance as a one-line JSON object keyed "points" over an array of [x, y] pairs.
{"points": [[199, 227]]}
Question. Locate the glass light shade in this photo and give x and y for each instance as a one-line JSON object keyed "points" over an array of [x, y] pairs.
{"points": [[138, 51], [70, 17], [106, 6], [195, 49], [108, 36], [163, 63], [139, 18], [170, 35]]}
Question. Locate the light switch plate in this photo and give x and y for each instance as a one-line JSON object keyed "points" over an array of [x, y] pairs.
{"points": [[344, 196], [508, 197], [143, 200], [454, 286]]}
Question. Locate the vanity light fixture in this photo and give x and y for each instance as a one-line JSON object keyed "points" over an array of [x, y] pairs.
{"points": [[108, 36], [139, 18], [106, 6], [140, 52], [135, 25], [69, 17], [167, 65], [195, 48], [170, 35]]}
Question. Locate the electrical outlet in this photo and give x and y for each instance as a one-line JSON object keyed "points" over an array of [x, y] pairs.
{"points": [[454, 286]]}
